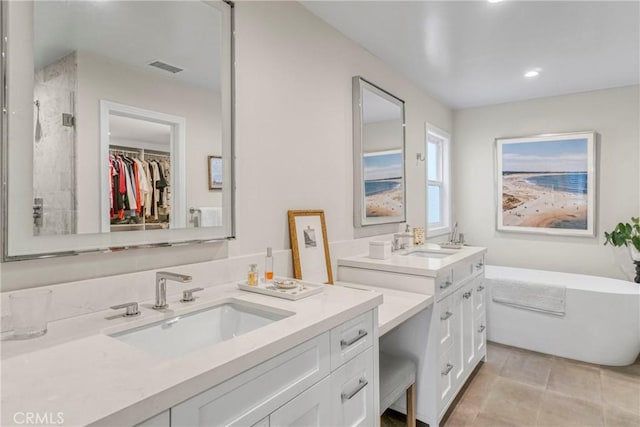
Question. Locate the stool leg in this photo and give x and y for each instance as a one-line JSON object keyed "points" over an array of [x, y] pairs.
{"points": [[411, 406]]}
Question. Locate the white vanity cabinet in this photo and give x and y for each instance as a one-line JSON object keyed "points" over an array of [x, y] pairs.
{"points": [[448, 339], [328, 380]]}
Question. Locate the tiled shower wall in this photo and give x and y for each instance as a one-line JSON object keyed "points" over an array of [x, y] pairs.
{"points": [[54, 146]]}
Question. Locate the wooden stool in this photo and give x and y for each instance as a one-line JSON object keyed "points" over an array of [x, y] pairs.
{"points": [[398, 376]]}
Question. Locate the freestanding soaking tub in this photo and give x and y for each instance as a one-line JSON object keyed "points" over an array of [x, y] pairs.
{"points": [[601, 324]]}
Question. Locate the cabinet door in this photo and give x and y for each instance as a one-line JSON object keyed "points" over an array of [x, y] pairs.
{"points": [[309, 409], [352, 392]]}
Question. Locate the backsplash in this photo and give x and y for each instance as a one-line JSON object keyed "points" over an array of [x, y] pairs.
{"points": [[88, 296]]}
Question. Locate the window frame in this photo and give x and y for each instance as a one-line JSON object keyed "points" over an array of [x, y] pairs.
{"points": [[444, 182]]}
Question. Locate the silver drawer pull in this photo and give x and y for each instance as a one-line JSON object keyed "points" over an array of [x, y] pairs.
{"points": [[479, 266], [361, 334], [446, 284], [482, 328], [466, 295], [480, 288], [446, 315], [362, 383], [447, 369]]}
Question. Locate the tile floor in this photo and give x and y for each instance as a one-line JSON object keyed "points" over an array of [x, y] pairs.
{"points": [[520, 388]]}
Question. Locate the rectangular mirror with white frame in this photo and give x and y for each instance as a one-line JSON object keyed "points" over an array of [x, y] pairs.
{"points": [[109, 123], [378, 154]]}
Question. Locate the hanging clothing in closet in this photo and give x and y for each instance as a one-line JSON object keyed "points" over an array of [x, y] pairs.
{"points": [[138, 188]]}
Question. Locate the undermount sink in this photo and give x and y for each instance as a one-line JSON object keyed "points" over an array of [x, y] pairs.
{"points": [[184, 334], [426, 253]]}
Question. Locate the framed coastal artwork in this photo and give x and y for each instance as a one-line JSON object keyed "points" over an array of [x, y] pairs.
{"points": [[215, 173], [547, 184], [383, 179], [310, 246]]}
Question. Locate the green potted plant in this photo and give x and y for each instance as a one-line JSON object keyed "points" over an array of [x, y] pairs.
{"points": [[627, 234]]}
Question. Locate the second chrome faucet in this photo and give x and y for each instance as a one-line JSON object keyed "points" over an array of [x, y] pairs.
{"points": [[161, 286]]}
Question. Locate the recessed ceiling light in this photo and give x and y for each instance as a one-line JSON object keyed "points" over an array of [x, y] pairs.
{"points": [[494, 1], [532, 73]]}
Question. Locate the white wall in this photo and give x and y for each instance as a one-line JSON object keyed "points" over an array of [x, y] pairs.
{"points": [[613, 113], [293, 142], [294, 129], [98, 79]]}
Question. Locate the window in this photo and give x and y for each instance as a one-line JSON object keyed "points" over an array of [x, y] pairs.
{"points": [[438, 182]]}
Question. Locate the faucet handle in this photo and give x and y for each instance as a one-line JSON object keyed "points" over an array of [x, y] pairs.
{"points": [[132, 308], [187, 294]]}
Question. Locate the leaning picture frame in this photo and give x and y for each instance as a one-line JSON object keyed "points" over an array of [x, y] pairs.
{"points": [[310, 246], [546, 184], [215, 172]]}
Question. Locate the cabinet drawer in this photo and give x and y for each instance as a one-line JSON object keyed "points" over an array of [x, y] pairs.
{"points": [[479, 296], [444, 283], [350, 339], [462, 271], [478, 265], [352, 392], [481, 336], [250, 396], [446, 381], [310, 409]]}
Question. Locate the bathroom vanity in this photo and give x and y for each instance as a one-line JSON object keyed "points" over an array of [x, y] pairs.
{"points": [[307, 362], [447, 340]]}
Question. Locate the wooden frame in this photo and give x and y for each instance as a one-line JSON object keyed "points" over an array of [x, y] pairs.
{"points": [[310, 249], [215, 172], [547, 184]]}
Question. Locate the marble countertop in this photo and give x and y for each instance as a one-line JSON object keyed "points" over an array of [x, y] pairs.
{"points": [[400, 262], [79, 371]]}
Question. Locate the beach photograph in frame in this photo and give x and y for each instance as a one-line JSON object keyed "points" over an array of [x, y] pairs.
{"points": [[310, 246], [215, 173], [546, 184], [383, 192]]}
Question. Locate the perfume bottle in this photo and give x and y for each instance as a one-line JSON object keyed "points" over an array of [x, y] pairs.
{"points": [[268, 266], [252, 276]]}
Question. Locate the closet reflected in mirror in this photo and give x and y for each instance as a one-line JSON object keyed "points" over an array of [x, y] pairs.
{"points": [[112, 121]]}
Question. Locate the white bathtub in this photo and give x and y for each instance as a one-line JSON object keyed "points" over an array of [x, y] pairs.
{"points": [[601, 325]]}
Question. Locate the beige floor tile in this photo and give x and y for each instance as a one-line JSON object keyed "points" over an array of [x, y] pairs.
{"points": [[614, 417], [486, 420], [631, 372], [559, 411], [513, 401], [576, 380], [461, 416], [479, 387], [528, 367], [620, 392], [497, 354]]}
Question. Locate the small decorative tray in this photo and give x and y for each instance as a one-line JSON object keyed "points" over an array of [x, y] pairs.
{"points": [[290, 289]]}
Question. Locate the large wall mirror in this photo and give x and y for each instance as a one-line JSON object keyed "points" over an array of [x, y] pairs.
{"points": [[378, 141], [112, 110]]}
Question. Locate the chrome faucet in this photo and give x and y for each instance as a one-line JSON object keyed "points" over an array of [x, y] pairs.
{"points": [[161, 286], [398, 238]]}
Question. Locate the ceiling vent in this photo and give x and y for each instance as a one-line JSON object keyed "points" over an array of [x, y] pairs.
{"points": [[166, 67]]}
